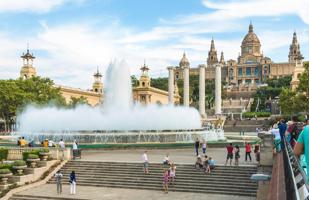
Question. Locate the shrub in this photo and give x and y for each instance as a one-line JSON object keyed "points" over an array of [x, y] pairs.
{"points": [[19, 163], [256, 114], [3, 153], [26, 154], [5, 171], [33, 156], [44, 150], [6, 166]]}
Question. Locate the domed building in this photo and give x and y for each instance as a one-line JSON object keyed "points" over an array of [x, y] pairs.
{"points": [[251, 68]]}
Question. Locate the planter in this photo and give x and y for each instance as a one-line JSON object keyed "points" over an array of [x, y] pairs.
{"points": [[19, 169], [44, 155], [33, 161], [4, 178]]}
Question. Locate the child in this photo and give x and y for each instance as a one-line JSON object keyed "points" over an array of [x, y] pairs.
{"points": [[237, 155], [172, 173], [165, 181], [204, 144]]}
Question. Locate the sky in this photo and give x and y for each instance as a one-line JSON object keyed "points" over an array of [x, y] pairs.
{"points": [[71, 38]]}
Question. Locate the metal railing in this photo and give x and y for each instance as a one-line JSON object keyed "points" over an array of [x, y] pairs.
{"points": [[297, 187]]}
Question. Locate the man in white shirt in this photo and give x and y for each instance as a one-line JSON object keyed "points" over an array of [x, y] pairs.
{"points": [[62, 148], [146, 162]]}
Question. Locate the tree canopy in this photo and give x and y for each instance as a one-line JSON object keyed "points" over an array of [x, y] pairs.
{"points": [[16, 94], [295, 102]]}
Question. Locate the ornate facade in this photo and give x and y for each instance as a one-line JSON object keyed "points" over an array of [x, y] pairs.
{"points": [[251, 68]]}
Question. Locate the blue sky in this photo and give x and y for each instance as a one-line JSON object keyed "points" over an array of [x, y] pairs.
{"points": [[70, 38]]}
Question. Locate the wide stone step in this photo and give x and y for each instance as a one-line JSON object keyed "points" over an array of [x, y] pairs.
{"points": [[214, 190], [201, 178], [39, 197], [221, 183], [186, 166], [192, 170]]}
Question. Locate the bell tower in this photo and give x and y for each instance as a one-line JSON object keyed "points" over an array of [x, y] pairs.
{"points": [[144, 80], [295, 54], [27, 70], [97, 85], [212, 54]]}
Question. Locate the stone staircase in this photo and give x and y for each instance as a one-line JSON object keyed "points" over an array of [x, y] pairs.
{"points": [[32, 197], [229, 180]]}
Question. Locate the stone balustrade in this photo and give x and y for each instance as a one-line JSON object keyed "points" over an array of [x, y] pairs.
{"points": [[16, 153]]}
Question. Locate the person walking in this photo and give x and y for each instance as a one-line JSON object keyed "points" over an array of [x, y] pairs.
{"points": [[277, 138], [282, 129], [196, 146], [72, 183], [145, 162], [75, 149], [58, 177], [230, 150], [248, 151], [204, 145], [62, 148], [237, 155]]}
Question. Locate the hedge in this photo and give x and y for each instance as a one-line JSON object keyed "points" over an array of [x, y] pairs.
{"points": [[3, 154], [35, 152], [256, 114]]}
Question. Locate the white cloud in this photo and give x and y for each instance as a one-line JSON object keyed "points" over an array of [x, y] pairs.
{"points": [[250, 8], [29, 5]]}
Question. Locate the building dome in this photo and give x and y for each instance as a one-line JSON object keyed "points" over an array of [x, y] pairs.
{"points": [[251, 37], [184, 62], [251, 44]]}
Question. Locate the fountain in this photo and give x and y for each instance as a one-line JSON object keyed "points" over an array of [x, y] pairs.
{"points": [[118, 120]]}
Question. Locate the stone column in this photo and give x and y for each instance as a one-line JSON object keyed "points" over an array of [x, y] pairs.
{"points": [[171, 88], [186, 86], [218, 90], [202, 91]]}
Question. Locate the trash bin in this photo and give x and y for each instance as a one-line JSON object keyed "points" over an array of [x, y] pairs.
{"points": [[77, 153]]}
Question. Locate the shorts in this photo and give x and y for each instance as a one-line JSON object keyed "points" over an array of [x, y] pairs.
{"points": [[145, 164], [229, 156]]}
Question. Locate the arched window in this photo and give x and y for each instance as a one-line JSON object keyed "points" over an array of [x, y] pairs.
{"points": [[96, 89], [143, 84]]}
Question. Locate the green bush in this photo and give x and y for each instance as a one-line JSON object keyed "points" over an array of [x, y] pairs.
{"points": [[19, 163], [256, 114], [33, 156], [6, 166], [44, 150], [26, 154], [5, 171], [3, 153]]}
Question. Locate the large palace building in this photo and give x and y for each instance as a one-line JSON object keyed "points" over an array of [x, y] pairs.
{"points": [[251, 68], [144, 93]]}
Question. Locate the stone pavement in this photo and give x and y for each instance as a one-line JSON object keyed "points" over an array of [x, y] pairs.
{"points": [[100, 193], [186, 156]]}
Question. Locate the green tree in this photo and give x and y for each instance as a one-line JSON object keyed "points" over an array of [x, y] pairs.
{"points": [[16, 94], [294, 102], [78, 101], [134, 81]]}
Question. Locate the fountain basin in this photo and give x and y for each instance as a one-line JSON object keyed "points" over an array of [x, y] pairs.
{"points": [[133, 136]]}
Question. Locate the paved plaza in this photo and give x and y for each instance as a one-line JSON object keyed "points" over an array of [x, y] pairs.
{"points": [[186, 156], [102, 193]]}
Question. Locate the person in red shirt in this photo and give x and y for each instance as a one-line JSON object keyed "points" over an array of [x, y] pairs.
{"points": [[248, 151], [230, 150]]}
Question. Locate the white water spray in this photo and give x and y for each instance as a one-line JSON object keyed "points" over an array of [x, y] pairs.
{"points": [[117, 112]]}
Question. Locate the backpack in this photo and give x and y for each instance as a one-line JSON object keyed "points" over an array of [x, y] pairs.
{"points": [[297, 129]]}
